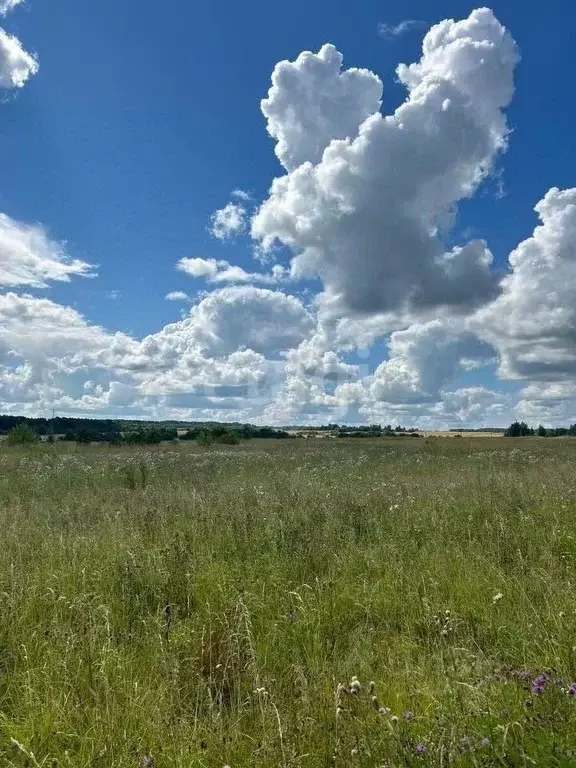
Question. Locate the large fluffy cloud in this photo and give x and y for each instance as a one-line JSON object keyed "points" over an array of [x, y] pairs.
{"points": [[368, 216], [423, 358], [37, 329], [16, 64], [225, 350], [312, 101], [242, 317], [533, 322], [29, 257]]}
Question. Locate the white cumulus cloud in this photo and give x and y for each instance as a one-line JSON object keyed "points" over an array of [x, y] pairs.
{"points": [[312, 101], [16, 64], [368, 216], [533, 322]]}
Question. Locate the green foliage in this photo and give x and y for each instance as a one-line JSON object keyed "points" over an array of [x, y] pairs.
{"points": [[519, 429], [171, 606], [21, 434], [227, 438], [150, 436]]}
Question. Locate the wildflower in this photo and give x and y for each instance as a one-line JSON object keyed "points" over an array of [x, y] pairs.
{"points": [[464, 744], [384, 711], [421, 748], [540, 684], [497, 597], [372, 687], [374, 700], [572, 690], [355, 686], [408, 715], [485, 742], [394, 719]]}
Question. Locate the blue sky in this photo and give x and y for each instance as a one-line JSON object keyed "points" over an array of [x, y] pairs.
{"points": [[140, 122]]}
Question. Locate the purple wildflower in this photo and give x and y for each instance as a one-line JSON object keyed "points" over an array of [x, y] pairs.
{"points": [[409, 715], [540, 684], [485, 742], [421, 748], [572, 690]]}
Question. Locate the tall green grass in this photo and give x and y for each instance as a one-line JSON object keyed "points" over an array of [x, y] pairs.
{"points": [[185, 607]]}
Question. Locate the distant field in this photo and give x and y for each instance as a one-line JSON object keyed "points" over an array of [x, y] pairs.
{"points": [[291, 603], [427, 433], [435, 433]]}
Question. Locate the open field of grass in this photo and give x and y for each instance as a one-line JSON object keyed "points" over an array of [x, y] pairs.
{"points": [[175, 606]]}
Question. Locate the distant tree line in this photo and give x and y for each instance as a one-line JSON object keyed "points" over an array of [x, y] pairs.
{"points": [[21, 430], [60, 425], [375, 430], [495, 430], [521, 429], [221, 433]]}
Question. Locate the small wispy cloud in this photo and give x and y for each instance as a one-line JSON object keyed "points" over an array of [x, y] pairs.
{"points": [[390, 31], [228, 221], [8, 5], [219, 271], [177, 296], [241, 194]]}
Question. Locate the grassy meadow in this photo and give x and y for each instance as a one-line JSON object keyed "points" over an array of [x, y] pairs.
{"points": [[386, 602]]}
